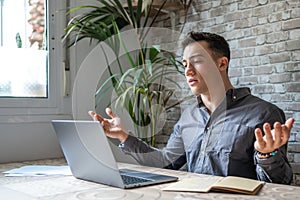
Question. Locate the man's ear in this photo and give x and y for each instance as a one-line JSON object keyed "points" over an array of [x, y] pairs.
{"points": [[223, 63]]}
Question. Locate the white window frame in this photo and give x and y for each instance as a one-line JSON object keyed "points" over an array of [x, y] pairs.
{"points": [[31, 109]]}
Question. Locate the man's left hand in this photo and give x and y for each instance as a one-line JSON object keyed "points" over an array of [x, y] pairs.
{"points": [[273, 139]]}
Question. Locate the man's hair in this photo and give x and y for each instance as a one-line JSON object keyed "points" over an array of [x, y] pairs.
{"points": [[216, 43]]}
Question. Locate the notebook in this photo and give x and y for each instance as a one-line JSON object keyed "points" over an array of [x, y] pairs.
{"points": [[89, 156]]}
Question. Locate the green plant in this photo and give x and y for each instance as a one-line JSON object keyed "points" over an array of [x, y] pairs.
{"points": [[18, 40], [139, 87], [93, 24]]}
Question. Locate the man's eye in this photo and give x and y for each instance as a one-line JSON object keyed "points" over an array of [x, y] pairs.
{"points": [[194, 62]]}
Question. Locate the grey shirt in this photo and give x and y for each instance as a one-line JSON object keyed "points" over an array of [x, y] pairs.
{"points": [[221, 143]]}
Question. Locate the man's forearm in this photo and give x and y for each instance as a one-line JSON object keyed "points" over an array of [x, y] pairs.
{"points": [[274, 169]]}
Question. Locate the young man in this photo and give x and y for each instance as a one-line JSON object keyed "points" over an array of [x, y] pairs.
{"points": [[222, 134]]}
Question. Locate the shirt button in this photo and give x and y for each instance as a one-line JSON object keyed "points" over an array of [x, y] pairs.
{"points": [[234, 97]]}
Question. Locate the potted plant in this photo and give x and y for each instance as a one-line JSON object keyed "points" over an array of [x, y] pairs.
{"points": [[140, 85]]}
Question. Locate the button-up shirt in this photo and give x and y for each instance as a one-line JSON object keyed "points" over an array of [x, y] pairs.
{"points": [[221, 143]]}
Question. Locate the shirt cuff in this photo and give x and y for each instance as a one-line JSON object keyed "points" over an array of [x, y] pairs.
{"points": [[127, 145]]}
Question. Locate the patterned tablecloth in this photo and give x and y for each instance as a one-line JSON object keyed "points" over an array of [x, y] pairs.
{"points": [[70, 188]]}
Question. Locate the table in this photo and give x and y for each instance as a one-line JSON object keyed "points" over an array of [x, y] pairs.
{"points": [[70, 188]]}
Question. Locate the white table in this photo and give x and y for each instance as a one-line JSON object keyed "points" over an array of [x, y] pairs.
{"points": [[70, 188]]}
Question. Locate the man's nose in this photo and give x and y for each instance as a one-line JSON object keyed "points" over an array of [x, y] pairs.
{"points": [[189, 68]]}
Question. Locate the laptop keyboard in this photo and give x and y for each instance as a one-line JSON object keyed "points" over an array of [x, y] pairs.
{"points": [[128, 180]]}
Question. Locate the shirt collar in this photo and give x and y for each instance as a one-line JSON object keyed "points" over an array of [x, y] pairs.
{"points": [[236, 94], [232, 95]]}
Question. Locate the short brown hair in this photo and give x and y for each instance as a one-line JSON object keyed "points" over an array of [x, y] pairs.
{"points": [[216, 43]]}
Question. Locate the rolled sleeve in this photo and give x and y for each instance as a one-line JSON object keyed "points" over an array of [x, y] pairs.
{"points": [[143, 153], [135, 145], [172, 156], [274, 169]]}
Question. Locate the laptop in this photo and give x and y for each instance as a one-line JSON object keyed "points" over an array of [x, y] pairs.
{"points": [[89, 156]]}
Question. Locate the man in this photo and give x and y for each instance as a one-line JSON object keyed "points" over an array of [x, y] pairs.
{"points": [[222, 134]]}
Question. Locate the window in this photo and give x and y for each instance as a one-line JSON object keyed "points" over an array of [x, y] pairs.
{"points": [[26, 113], [32, 55], [23, 49]]}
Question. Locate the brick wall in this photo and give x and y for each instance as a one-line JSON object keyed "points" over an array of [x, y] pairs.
{"points": [[264, 36]]}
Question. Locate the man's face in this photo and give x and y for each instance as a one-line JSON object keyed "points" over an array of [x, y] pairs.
{"points": [[200, 68]]}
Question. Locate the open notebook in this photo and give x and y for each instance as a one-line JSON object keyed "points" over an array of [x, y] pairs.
{"points": [[90, 157], [216, 183]]}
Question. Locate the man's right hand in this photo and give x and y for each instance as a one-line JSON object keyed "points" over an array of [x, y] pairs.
{"points": [[114, 127]]}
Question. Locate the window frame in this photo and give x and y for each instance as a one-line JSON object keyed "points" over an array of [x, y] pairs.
{"points": [[32, 106]]}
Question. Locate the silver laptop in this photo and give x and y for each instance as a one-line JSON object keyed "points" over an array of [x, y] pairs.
{"points": [[88, 153]]}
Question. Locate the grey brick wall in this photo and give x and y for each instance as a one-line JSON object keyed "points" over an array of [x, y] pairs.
{"points": [[264, 36]]}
